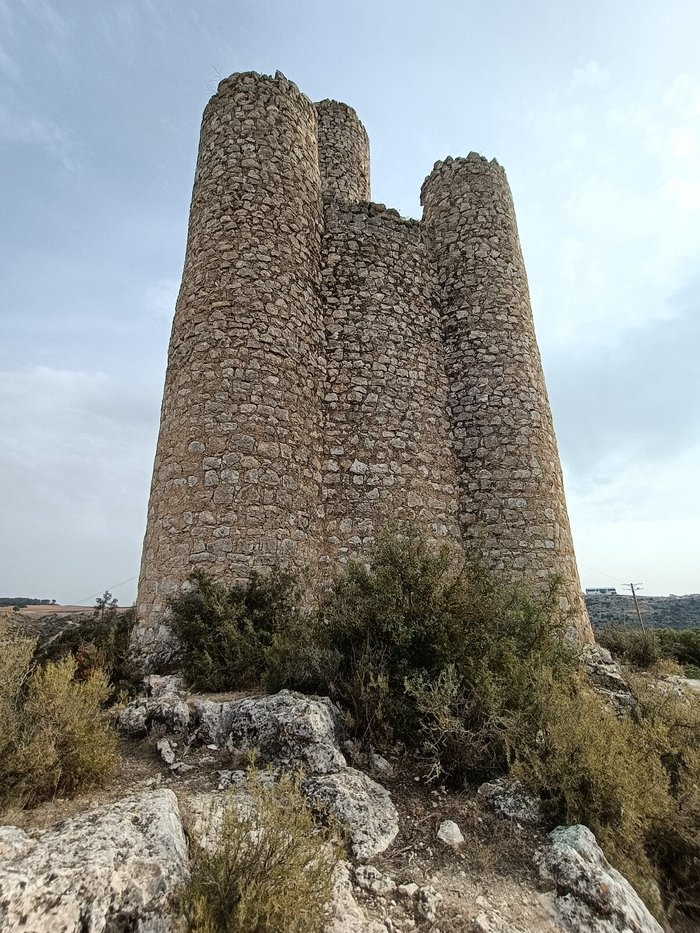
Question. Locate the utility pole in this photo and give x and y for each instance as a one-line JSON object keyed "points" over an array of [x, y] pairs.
{"points": [[631, 586]]}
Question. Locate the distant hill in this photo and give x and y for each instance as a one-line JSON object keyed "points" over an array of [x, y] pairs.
{"points": [[657, 611], [25, 601]]}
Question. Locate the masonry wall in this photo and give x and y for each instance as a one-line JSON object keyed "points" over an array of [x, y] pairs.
{"points": [[343, 151], [512, 503], [388, 448], [237, 478]]}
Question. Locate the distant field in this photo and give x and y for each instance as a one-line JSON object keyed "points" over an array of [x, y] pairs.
{"points": [[53, 609]]}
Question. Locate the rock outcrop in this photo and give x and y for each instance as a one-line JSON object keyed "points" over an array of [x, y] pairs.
{"points": [[112, 868], [590, 894], [362, 807]]}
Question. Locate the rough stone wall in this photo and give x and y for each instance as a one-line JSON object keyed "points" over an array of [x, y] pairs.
{"points": [[388, 448], [334, 368], [343, 151], [237, 479], [512, 501]]}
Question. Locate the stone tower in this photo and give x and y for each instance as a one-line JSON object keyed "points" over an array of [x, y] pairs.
{"points": [[334, 367]]}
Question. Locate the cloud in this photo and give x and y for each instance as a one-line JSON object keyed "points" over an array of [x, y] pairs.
{"points": [[23, 129], [160, 298], [634, 400], [590, 75]]}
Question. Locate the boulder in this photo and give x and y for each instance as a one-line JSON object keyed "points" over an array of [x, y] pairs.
{"points": [[450, 833], [165, 704], [363, 808], [116, 867], [591, 896], [133, 719], [287, 729]]}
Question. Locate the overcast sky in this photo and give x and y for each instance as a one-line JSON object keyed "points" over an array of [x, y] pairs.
{"points": [[592, 106]]}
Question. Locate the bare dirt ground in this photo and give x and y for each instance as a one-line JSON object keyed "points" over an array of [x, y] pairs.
{"points": [[492, 871]]}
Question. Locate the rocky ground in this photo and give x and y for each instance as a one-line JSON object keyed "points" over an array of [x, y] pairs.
{"points": [[419, 857]]}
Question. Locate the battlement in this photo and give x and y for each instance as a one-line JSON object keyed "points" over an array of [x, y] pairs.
{"points": [[334, 367]]}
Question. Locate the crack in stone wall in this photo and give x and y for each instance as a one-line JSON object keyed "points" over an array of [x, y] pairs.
{"points": [[334, 367]]}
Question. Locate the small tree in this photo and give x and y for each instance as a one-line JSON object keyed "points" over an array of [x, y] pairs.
{"points": [[104, 604]]}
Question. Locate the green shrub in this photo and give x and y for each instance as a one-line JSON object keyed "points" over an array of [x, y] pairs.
{"points": [[98, 642], [224, 631], [417, 647], [475, 673], [55, 737], [269, 869], [638, 647], [591, 767], [644, 649], [682, 646], [670, 723]]}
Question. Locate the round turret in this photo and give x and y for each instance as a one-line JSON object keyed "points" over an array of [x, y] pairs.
{"points": [[237, 479], [512, 496], [343, 151]]}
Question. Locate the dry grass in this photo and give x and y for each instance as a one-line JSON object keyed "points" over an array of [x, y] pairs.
{"points": [[55, 738], [269, 869]]}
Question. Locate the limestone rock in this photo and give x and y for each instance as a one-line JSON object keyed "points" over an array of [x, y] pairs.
{"points": [[158, 685], [347, 915], [491, 923], [165, 704], [507, 797], [133, 719], [112, 868], [287, 729], [606, 677], [450, 833], [428, 903], [166, 751], [592, 897], [361, 806]]}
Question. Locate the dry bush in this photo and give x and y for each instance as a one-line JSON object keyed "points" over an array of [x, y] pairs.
{"points": [[635, 781], [269, 869], [638, 647], [670, 720], [56, 738], [591, 767]]}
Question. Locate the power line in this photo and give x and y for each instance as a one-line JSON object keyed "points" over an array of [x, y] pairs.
{"points": [[601, 572], [114, 586]]}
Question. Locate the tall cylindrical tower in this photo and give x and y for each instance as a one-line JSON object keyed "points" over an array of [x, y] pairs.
{"points": [[343, 151], [512, 496], [237, 479]]}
